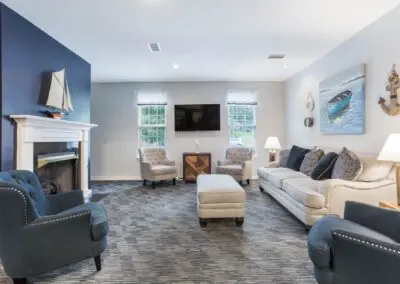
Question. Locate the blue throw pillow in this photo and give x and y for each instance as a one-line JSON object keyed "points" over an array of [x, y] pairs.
{"points": [[324, 168], [296, 157]]}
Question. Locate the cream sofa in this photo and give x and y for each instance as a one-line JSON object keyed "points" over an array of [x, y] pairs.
{"points": [[308, 199]]}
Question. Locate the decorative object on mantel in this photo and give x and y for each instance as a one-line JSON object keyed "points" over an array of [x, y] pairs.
{"points": [[59, 97], [310, 102], [309, 122], [342, 102], [393, 87], [272, 144]]}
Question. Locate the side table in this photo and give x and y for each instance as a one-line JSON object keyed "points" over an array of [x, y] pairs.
{"points": [[389, 205], [195, 164]]}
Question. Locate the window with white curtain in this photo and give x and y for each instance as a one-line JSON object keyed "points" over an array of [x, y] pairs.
{"points": [[242, 118], [152, 120]]}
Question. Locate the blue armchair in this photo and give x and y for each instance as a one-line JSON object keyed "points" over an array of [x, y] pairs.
{"points": [[39, 233], [364, 247]]}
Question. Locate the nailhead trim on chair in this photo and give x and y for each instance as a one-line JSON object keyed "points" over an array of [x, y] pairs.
{"points": [[367, 243], [21, 194], [59, 219]]}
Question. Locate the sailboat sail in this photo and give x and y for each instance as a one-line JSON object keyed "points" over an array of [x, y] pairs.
{"points": [[59, 96], [67, 99]]}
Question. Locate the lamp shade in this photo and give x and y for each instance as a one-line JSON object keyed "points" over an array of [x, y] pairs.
{"points": [[272, 143], [391, 149]]}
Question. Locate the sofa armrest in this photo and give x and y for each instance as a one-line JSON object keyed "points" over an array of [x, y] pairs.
{"points": [[374, 218], [274, 164], [363, 259], [337, 192], [247, 168], [63, 201], [72, 230], [223, 163], [167, 163]]}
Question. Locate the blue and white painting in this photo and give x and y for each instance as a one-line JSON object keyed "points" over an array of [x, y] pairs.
{"points": [[342, 102]]}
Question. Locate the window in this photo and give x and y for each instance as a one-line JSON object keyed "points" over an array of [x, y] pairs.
{"points": [[242, 118], [152, 119]]}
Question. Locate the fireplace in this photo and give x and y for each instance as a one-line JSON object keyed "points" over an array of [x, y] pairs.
{"points": [[57, 166], [38, 148]]}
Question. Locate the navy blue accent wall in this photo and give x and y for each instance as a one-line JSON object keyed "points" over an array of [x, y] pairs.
{"points": [[27, 53]]}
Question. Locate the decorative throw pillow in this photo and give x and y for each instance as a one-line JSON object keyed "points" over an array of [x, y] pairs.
{"points": [[324, 168], [283, 158], [311, 159], [347, 166], [296, 157]]}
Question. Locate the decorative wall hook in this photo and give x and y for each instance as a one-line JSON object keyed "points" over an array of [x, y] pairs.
{"points": [[310, 102], [393, 87]]}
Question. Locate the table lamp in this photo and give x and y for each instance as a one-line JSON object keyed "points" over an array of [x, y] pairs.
{"points": [[272, 144], [391, 153]]}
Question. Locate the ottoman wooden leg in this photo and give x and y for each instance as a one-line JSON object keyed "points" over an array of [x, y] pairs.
{"points": [[239, 221], [203, 222]]}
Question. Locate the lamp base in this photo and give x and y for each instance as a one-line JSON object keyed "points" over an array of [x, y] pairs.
{"points": [[272, 156]]}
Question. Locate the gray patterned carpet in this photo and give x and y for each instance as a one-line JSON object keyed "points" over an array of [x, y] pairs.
{"points": [[155, 238]]}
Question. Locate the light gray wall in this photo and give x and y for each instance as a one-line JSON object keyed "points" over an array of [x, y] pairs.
{"points": [[114, 143], [378, 46]]}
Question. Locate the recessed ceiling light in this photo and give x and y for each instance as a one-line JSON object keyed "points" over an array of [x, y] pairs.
{"points": [[285, 66], [176, 66]]}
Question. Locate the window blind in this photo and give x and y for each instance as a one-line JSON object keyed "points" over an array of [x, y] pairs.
{"points": [[243, 98], [144, 98]]}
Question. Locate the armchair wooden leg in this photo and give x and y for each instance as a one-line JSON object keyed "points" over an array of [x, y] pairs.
{"points": [[153, 184], [248, 181], [97, 262], [144, 182], [20, 280], [174, 181]]}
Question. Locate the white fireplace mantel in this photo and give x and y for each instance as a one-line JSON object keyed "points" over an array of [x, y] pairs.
{"points": [[31, 129]]}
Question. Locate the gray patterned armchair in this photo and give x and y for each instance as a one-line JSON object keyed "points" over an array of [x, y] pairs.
{"points": [[39, 233], [154, 165], [238, 163]]}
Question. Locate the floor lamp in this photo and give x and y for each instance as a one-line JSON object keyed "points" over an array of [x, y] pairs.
{"points": [[272, 144], [391, 153]]}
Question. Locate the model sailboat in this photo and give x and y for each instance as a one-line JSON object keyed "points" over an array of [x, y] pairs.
{"points": [[59, 98]]}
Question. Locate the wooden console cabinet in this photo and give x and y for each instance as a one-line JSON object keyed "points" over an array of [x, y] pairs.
{"points": [[195, 164]]}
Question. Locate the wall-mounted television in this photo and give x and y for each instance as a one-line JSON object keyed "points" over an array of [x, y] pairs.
{"points": [[204, 117]]}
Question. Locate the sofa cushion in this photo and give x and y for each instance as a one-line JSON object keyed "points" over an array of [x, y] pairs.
{"points": [[283, 157], [276, 178], [230, 169], [304, 191], [162, 170], [264, 173], [324, 168], [347, 166], [296, 157], [311, 159]]}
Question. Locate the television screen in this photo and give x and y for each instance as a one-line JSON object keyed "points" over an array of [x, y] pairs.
{"points": [[197, 117]]}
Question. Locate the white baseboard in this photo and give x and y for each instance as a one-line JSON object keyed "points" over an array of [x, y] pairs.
{"points": [[105, 178], [254, 177]]}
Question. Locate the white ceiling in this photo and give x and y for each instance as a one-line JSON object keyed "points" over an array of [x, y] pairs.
{"points": [[211, 40]]}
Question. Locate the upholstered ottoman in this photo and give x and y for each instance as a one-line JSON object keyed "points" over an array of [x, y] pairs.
{"points": [[220, 196]]}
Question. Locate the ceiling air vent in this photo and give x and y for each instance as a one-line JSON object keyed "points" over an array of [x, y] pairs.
{"points": [[154, 47], [276, 56]]}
